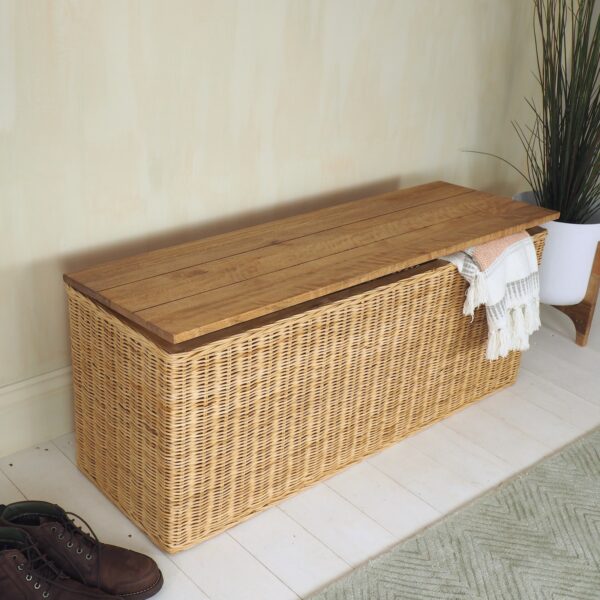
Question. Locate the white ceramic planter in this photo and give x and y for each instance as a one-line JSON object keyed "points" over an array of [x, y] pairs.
{"points": [[567, 261]]}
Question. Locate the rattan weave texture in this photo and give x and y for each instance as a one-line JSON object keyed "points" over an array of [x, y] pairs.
{"points": [[191, 443]]}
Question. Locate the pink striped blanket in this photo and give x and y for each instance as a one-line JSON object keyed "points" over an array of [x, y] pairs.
{"points": [[503, 276]]}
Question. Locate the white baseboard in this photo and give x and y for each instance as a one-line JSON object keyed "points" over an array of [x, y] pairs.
{"points": [[35, 410]]}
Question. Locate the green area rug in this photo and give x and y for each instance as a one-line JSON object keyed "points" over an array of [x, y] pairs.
{"points": [[535, 537]]}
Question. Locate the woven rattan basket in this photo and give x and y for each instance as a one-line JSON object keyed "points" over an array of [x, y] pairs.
{"points": [[190, 443]]}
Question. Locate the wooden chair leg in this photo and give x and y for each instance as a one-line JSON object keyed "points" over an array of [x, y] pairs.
{"points": [[582, 314]]}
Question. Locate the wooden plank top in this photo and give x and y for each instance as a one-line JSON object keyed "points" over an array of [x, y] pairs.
{"points": [[186, 291]]}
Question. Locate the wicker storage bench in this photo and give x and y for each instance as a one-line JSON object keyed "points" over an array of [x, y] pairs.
{"points": [[218, 377]]}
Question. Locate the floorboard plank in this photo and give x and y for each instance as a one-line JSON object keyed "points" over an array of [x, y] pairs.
{"points": [[561, 324], [566, 374], [460, 455], [299, 559], [383, 499], [350, 533], [564, 348], [532, 420], [497, 437], [8, 490], [569, 407], [226, 571], [426, 478], [66, 444]]}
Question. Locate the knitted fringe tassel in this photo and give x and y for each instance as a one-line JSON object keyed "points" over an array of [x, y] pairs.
{"points": [[476, 295], [522, 321], [532, 315]]}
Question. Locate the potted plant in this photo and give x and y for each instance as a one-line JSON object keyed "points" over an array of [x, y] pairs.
{"points": [[563, 145]]}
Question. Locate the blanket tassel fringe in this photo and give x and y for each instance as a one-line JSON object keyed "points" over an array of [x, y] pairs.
{"points": [[476, 295], [522, 322]]}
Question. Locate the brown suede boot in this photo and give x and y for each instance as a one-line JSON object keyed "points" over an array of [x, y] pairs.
{"points": [[26, 574], [80, 555]]}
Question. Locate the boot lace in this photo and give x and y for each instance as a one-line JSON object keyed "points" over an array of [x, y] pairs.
{"points": [[78, 540], [38, 570]]}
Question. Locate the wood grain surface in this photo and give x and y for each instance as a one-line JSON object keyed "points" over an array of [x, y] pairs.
{"points": [[189, 290]]}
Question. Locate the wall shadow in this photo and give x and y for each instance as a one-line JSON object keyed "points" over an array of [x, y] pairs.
{"points": [[161, 239]]}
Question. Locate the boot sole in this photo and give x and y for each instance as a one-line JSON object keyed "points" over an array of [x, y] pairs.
{"points": [[147, 593]]}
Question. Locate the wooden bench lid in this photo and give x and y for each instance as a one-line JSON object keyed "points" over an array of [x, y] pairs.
{"points": [[186, 291]]}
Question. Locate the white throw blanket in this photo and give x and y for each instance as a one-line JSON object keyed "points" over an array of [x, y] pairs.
{"points": [[503, 275]]}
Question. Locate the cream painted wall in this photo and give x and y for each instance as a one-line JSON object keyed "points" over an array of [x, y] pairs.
{"points": [[127, 125]]}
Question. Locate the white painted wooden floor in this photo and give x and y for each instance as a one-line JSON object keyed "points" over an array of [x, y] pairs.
{"points": [[299, 546]]}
